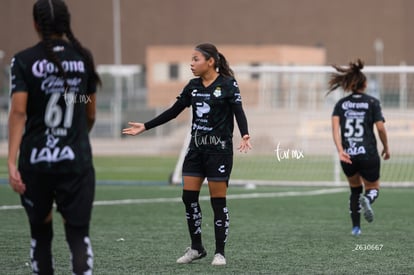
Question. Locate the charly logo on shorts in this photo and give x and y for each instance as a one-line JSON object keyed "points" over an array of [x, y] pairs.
{"points": [[222, 168]]}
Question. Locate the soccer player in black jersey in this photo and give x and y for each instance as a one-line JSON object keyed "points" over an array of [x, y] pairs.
{"points": [[353, 119], [52, 110], [215, 100]]}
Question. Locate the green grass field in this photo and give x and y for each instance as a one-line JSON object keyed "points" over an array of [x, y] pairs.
{"points": [[144, 169], [274, 230]]}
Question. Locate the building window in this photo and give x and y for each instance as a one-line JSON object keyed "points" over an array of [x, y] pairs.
{"points": [[173, 71]]}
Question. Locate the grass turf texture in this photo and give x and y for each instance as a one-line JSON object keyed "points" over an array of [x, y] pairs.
{"points": [[281, 235], [144, 169]]}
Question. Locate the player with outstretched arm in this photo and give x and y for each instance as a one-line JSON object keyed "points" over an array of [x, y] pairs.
{"points": [[215, 100]]}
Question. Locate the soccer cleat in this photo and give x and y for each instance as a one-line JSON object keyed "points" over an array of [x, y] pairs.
{"points": [[366, 208], [356, 231], [191, 255], [218, 260]]}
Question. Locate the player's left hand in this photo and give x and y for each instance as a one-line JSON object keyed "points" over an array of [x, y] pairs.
{"points": [[385, 154], [245, 145]]}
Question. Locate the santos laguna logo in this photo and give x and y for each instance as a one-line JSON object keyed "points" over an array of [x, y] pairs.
{"points": [[41, 68]]}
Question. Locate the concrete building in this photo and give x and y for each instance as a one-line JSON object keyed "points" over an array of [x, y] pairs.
{"points": [[168, 67], [346, 29]]}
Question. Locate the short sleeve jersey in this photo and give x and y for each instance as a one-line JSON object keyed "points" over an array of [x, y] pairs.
{"points": [[56, 137], [357, 114], [212, 114]]}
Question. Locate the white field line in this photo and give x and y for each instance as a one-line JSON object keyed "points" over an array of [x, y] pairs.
{"points": [[205, 198]]}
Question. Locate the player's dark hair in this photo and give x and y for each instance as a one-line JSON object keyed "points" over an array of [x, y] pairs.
{"points": [[350, 79], [52, 17], [210, 51]]}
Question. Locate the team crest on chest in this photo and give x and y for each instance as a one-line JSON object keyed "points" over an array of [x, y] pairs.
{"points": [[217, 92]]}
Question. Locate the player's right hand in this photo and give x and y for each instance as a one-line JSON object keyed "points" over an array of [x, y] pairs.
{"points": [[135, 129], [15, 180], [344, 157]]}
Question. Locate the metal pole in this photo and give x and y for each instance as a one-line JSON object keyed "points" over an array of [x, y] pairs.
{"points": [[379, 60], [1, 70], [117, 101], [116, 5], [403, 89]]}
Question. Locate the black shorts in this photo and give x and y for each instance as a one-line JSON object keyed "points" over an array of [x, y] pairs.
{"points": [[72, 193], [369, 169], [214, 167]]}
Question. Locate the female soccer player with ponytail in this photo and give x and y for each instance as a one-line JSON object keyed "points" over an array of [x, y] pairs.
{"points": [[353, 119], [50, 160], [215, 100]]}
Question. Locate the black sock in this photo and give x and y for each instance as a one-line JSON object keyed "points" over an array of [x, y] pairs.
{"points": [[194, 218], [41, 248], [80, 248], [221, 223], [354, 206], [372, 195]]}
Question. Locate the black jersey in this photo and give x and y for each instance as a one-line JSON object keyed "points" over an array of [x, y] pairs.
{"points": [[56, 135], [357, 114], [213, 113]]}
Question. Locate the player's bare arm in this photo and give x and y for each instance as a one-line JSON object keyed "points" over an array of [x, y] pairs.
{"points": [[17, 119], [343, 156], [382, 133]]}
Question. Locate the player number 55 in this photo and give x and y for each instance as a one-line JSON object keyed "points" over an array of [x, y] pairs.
{"points": [[354, 127]]}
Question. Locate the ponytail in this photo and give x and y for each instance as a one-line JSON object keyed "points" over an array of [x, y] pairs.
{"points": [[350, 79], [223, 66], [85, 54], [44, 16]]}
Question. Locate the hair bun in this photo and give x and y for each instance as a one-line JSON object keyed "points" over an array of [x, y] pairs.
{"points": [[358, 65]]}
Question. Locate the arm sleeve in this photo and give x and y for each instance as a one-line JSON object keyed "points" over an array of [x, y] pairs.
{"points": [[377, 112], [18, 82], [241, 119], [166, 116], [336, 110]]}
